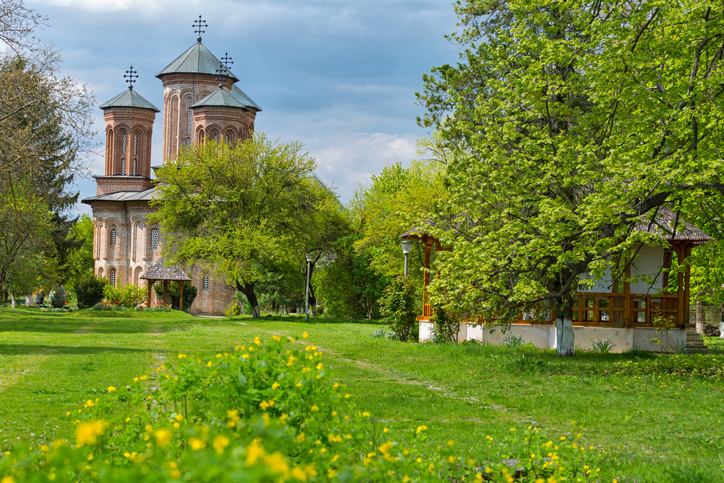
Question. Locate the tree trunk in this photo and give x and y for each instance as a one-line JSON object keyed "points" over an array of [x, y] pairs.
{"points": [[29, 301], [721, 323], [12, 298], [700, 316], [564, 329], [248, 290]]}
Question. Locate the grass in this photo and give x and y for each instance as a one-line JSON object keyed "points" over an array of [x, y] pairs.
{"points": [[652, 427]]}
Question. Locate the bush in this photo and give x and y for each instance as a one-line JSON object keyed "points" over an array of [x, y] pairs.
{"points": [[675, 364], [89, 291], [397, 307], [445, 326], [174, 291], [128, 295]]}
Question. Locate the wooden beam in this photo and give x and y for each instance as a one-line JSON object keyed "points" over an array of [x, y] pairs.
{"points": [[165, 289], [148, 299], [181, 296]]}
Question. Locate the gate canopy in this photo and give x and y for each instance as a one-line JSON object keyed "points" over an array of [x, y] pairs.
{"points": [[166, 274]]}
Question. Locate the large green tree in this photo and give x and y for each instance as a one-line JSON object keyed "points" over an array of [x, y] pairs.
{"points": [[570, 122], [246, 210], [44, 127]]}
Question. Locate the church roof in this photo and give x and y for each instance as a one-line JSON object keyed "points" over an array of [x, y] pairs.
{"points": [[146, 195], [196, 60], [159, 272], [219, 98], [129, 98], [243, 98]]}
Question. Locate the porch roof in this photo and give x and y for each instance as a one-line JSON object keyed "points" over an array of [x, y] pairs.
{"points": [[159, 272], [666, 226]]}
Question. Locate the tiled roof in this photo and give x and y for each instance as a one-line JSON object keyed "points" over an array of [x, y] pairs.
{"points": [[196, 60], [159, 272], [129, 98], [663, 226]]}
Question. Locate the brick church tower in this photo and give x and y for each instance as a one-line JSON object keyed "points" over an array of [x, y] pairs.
{"points": [[201, 102]]}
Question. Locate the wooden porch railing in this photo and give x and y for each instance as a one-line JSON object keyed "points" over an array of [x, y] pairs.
{"points": [[605, 310]]}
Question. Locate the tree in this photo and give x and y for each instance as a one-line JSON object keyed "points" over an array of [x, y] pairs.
{"points": [[398, 199], [569, 123], [245, 210], [44, 126]]}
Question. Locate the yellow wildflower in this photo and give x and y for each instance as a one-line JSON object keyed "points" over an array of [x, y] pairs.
{"points": [[163, 436], [87, 433], [111, 389]]}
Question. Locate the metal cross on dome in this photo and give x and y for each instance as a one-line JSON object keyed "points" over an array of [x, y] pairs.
{"points": [[226, 60], [131, 76], [197, 27], [222, 72]]}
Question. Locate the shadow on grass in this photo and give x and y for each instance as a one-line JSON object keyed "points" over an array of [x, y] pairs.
{"points": [[90, 326], [300, 320], [28, 349]]}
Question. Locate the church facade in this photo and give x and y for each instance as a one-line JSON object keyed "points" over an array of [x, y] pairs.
{"points": [[201, 102]]}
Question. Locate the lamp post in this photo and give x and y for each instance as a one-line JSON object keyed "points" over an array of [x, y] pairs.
{"points": [[310, 257], [406, 249]]}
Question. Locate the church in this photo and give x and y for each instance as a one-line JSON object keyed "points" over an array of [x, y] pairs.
{"points": [[201, 102]]}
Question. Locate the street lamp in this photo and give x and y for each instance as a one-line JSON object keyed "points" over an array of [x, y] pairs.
{"points": [[310, 257], [406, 249]]}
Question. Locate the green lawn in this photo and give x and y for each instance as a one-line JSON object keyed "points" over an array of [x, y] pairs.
{"points": [[651, 427]]}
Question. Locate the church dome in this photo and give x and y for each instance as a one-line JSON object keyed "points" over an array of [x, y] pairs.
{"points": [[196, 60]]}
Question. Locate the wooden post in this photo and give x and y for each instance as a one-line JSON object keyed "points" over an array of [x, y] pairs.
{"points": [[148, 299], [165, 289], [687, 294], [181, 296]]}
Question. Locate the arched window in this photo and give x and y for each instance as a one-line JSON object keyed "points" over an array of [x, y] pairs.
{"points": [[123, 143], [123, 165], [135, 167], [206, 281], [215, 137], [100, 272], [228, 138], [202, 136], [137, 275], [154, 239], [112, 276], [135, 144], [113, 236]]}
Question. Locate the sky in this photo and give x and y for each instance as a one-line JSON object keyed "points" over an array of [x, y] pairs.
{"points": [[340, 76]]}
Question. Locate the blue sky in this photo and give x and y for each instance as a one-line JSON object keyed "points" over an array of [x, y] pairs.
{"points": [[338, 75]]}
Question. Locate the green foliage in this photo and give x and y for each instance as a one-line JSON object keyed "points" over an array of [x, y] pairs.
{"points": [[446, 325], [79, 259], [45, 121], [398, 308], [556, 155], [174, 292], [232, 310], [268, 413], [246, 211], [90, 290], [398, 199], [349, 286], [128, 296], [602, 346], [674, 364], [282, 289], [512, 340]]}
